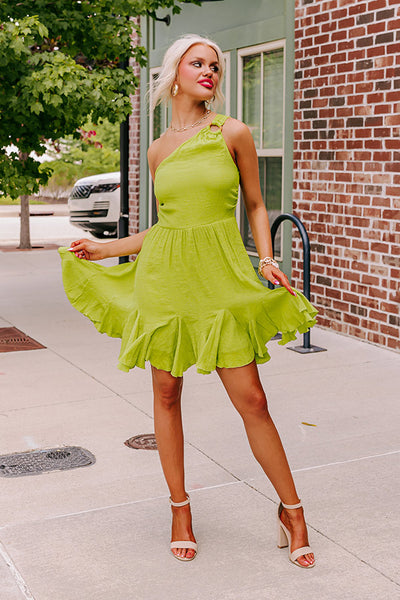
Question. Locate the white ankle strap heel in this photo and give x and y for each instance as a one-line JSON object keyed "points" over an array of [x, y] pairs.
{"points": [[284, 538], [184, 503], [183, 543]]}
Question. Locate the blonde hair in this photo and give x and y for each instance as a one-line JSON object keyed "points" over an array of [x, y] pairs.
{"points": [[169, 68]]}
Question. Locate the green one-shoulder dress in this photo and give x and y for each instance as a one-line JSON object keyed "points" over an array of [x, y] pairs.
{"points": [[191, 296]]}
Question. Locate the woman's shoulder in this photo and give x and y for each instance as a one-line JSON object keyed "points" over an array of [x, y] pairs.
{"points": [[153, 152], [235, 130], [154, 147]]}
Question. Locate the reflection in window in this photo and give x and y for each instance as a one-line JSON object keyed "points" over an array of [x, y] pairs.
{"points": [[263, 110], [273, 99], [270, 171], [251, 95]]}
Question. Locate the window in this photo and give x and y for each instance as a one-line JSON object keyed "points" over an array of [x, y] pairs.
{"points": [[261, 107]]}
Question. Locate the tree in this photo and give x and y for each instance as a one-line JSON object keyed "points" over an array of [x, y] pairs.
{"points": [[60, 62], [97, 151]]}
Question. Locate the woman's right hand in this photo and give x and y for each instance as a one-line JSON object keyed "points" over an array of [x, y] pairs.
{"points": [[88, 250]]}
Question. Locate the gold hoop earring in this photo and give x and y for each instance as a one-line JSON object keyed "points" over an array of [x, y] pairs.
{"points": [[209, 102], [175, 89]]}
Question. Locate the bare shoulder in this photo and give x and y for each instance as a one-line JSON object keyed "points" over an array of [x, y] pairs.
{"points": [[153, 149], [236, 128], [236, 132]]}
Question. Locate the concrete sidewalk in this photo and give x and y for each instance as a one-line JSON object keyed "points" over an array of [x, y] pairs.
{"points": [[102, 532], [14, 210]]}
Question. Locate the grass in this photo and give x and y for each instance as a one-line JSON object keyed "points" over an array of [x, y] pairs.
{"points": [[6, 200]]}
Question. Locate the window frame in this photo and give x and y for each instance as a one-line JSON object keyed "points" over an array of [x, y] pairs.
{"points": [[263, 152]]}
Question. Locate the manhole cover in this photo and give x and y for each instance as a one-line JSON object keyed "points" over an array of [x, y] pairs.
{"points": [[14, 340], [34, 462], [144, 441]]}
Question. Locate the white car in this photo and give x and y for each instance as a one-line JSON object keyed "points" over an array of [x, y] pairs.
{"points": [[94, 204]]}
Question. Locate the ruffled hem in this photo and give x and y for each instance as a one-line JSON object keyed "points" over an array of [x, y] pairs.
{"points": [[225, 338], [227, 343]]}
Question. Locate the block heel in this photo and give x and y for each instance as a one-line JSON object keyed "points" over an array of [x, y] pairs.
{"points": [[284, 538], [183, 543]]}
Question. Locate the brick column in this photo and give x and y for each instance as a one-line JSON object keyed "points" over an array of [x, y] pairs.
{"points": [[347, 162], [134, 152]]}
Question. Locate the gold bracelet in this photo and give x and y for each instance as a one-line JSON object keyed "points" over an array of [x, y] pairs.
{"points": [[266, 261]]}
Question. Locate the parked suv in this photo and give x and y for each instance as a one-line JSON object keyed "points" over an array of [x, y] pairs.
{"points": [[94, 204]]}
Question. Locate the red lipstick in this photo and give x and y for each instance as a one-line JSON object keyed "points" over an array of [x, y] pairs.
{"points": [[206, 83]]}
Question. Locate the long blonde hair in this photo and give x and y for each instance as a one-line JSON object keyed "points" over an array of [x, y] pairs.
{"points": [[169, 68]]}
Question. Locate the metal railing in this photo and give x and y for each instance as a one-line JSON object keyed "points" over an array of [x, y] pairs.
{"points": [[307, 347]]}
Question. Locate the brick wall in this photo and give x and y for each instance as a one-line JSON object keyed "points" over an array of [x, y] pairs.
{"points": [[134, 153], [347, 162]]}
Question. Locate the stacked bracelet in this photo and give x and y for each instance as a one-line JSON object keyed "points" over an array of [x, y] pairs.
{"points": [[266, 261]]}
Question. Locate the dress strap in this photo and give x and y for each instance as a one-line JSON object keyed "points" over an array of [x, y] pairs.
{"points": [[219, 120]]}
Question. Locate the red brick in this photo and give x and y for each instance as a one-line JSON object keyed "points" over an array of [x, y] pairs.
{"points": [[345, 23], [372, 212], [378, 247], [381, 202], [392, 144], [382, 132], [390, 308], [351, 319], [393, 191], [382, 109], [345, 45], [393, 167], [360, 244], [364, 87], [393, 24], [391, 214], [355, 76], [392, 49], [357, 8], [376, 5], [374, 51], [340, 12], [376, 74], [374, 337], [339, 35], [378, 316], [392, 120], [376, 293], [392, 331], [393, 96], [345, 111], [376, 27], [357, 32]]}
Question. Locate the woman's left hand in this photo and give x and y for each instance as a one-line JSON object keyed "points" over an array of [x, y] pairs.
{"points": [[276, 277]]}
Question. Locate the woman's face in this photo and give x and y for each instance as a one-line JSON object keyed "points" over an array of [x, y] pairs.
{"points": [[198, 72]]}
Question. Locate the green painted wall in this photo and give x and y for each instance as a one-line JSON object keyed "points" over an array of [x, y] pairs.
{"points": [[233, 24]]}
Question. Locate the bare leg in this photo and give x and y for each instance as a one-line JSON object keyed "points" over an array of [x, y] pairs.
{"points": [[247, 395], [169, 434]]}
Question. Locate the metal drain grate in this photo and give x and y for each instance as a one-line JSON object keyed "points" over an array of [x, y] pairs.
{"points": [[14, 340], [144, 441], [35, 462]]}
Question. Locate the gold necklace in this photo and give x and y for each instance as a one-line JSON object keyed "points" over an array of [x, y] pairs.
{"points": [[193, 124]]}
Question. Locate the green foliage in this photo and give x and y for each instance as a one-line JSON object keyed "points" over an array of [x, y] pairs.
{"points": [[61, 61], [96, 152]]}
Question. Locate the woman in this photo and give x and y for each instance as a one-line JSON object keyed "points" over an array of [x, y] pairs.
{"points": [[192, 296]]}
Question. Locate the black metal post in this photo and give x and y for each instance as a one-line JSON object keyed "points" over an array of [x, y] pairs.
{"points": [[306, 347]]}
